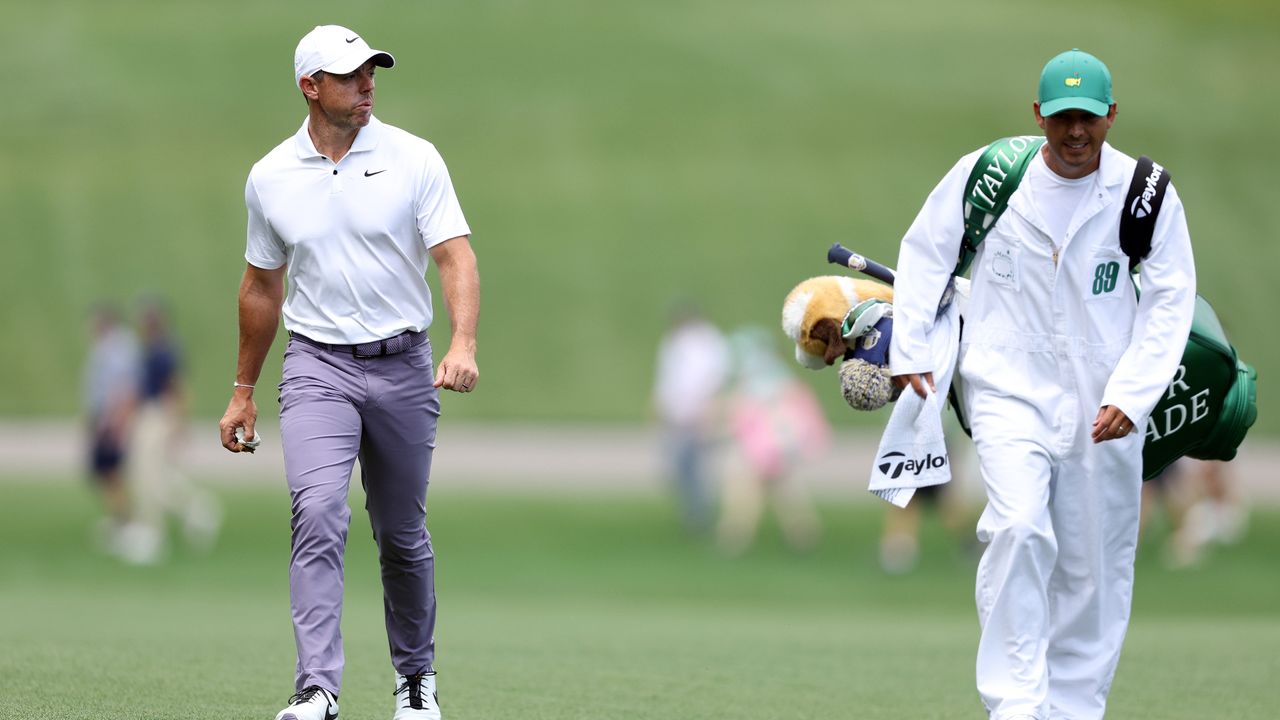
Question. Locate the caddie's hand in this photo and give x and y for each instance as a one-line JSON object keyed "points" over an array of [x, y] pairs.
{"points": [[917, 381], [242, 412], [458, 371], [1110, 424]]}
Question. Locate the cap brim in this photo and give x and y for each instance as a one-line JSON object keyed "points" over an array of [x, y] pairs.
{"points": [[1089, 105], [353, 61]]}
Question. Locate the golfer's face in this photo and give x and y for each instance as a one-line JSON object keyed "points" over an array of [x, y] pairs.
{"points": [[347, 100]]}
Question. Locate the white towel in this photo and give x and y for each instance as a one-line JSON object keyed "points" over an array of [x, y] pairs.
{"points": [[913, 450]]}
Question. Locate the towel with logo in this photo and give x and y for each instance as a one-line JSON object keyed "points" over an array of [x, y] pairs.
{"points": [[913, 449]]}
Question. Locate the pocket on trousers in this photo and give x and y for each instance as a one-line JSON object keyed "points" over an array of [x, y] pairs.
{"points": [[295, 352], [419, 358]]}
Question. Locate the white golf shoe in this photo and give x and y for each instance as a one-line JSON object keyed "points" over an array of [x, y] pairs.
{"points": [[416, 697], [312, 703]]}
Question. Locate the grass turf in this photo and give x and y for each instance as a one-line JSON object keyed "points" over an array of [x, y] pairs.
{"points": [[568, 608]]}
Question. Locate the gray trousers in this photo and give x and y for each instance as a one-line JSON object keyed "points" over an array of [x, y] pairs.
{"points": [[335, 407]]}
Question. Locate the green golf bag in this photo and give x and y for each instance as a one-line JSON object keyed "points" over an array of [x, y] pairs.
{"points": [[1209, 406]]}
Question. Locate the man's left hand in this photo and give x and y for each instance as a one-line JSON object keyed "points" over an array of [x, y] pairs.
{"points": [[1110, 424], [457, 371]]}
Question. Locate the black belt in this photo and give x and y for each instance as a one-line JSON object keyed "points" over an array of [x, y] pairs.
{"points": [[374, 348]]}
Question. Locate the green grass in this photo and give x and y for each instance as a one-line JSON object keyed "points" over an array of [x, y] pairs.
{"points": [[571, 608], [610, 156]]}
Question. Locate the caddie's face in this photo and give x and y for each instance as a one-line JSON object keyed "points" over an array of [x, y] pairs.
{"points": [[1074, 140], [346, 101]]}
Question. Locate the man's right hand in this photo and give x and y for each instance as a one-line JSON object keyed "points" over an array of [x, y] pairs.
{"points": [[917, 381], [242, 412]]}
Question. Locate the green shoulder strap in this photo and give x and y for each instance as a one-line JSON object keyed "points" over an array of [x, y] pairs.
{"points": [[992, 182]]}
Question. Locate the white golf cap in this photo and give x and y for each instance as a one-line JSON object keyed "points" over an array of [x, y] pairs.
{"points": [[334, 49]]}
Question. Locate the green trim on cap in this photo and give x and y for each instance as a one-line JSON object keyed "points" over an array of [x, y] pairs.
{"points": [[1075, 80]]}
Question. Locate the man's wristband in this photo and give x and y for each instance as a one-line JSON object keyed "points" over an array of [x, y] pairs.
{"points": [[235, 385]]}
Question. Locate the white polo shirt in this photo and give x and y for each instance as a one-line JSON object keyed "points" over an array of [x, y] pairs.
{"points": [[355, 234]]}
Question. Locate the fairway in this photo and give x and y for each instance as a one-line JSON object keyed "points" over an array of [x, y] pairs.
{"points": [[614, 161], [583, 608]]}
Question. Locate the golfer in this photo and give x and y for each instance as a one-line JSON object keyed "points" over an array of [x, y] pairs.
{"points": [[351, 211], [1061, 362]]}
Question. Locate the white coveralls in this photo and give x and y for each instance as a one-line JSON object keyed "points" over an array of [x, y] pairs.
{"points": [[1040, 354]]}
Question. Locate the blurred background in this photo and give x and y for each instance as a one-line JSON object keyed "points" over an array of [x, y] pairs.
{"points": [[624, 167]]}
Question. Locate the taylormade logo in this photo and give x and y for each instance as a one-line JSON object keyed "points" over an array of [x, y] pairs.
{"points": [[893, 464], [993, 175], [1141, 206]]}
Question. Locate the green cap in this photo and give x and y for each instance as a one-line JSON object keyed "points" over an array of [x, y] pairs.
{"points": [[1075, 80]]}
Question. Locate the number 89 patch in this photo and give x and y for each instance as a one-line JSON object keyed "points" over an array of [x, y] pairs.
{"points": [[1105, 277]]}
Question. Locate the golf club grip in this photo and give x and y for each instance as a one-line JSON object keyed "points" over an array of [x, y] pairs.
{"points": [[841, 255]]}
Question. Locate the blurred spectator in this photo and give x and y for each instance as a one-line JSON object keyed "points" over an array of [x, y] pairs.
{"points": [[110, 387], [1163, 493], [691, 370], [160, 488], [1203, 506], [900, 537], [776, 423]]}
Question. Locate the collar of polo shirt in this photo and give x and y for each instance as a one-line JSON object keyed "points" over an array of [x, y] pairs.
{"points": [[366, 139]]}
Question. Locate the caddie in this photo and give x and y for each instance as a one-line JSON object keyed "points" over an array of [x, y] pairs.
{"points": [[1060, 364]]}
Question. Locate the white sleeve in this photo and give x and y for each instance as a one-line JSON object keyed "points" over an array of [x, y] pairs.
{"points": [[439, 214], [926, 259], [1165, 310], [263, 249]]}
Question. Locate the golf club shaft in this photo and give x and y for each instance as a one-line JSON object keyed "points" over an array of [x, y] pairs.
{"points": [[841, 255]]}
